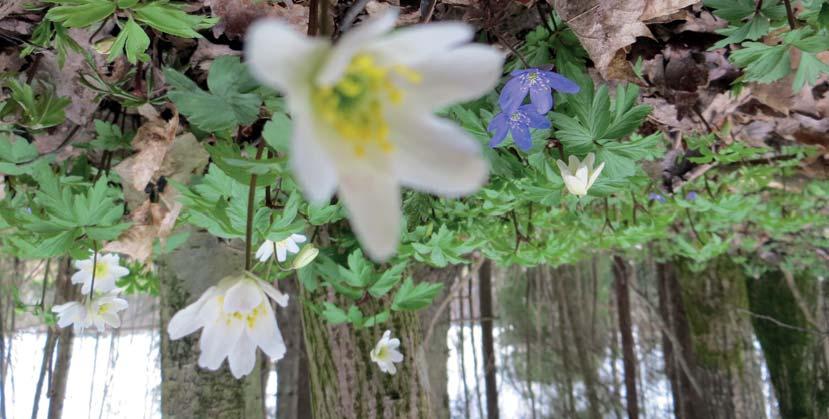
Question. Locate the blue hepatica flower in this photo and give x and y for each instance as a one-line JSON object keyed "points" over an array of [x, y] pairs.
{"points": [[517, 123], [538, 83], [656, 197], [692, 196]]}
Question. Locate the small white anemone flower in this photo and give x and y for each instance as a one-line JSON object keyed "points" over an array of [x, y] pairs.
{"points": [[385, 353], [235, 317], [363, 114], [579, 175], [282, 247], [97, 311], [107, 271]]}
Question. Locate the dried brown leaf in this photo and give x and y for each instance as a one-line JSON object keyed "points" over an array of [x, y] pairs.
{"points": [[237, 15], [605, 28], [152, 141]]}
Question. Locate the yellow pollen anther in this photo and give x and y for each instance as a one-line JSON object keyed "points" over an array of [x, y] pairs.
{"points": [[353, 107]]}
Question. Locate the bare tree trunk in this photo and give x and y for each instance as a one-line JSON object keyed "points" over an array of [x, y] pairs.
{"points": [[60, 376], [715, 301], [293, 396], [435, 322], [790, 349], [488, 349], [583, 353], [186, 390], [621, 277], [345, 384], [688, 402]]}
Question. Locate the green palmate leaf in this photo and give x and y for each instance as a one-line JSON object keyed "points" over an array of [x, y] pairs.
{"points": [[227, 105], [755, 28], [80, 13], [109, 137], [334, 314], [133, 41], [170, 18], [228, 158], [762, 63], [414, 297], [808, 71], [388, 280], [736, 10], [35, 110], [277, 132], [16, 154]]}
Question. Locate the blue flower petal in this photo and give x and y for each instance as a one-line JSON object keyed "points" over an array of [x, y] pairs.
{"points": [[536, 120], [513, 94], [499, 126], [559, 82], [542, 98], [521, 136]]}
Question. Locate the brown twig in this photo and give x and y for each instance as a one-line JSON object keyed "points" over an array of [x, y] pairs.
{"points": [[790, 14]]}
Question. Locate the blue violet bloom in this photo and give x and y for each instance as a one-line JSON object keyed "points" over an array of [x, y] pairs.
{"points": [[692, 196], [537, 83], [517, 123], [656, 197]]}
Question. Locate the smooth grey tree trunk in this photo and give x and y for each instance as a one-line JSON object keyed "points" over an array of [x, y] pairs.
{"points": [[188, 391], [60, 374]]}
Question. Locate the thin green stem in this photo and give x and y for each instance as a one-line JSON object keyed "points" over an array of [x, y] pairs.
{"points": [[251, 202]]}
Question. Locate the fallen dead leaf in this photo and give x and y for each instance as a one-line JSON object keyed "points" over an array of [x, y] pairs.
{"points": [[605, 28], [152, 141], [151, 221], [237, 15]]}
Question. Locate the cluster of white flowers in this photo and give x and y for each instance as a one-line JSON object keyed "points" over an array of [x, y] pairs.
{"points": [[101, 306]]}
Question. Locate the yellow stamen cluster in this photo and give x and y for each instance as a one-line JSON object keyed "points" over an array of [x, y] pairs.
{"points": [[354, 106], [101, 269], [249, 318]]}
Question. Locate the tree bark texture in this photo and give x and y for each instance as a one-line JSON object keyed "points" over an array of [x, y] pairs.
{"points": [[345, 383], [715, 302], [60, 374], [188, 391], [791, 352], [677, 347], [293, 393], [488, 343], [621, 276]]}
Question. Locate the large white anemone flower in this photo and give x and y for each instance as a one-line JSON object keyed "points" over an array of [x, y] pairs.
{"points": [[363, 114], [579, 175], [236, 317], [97, 311], [386, 354], [107, 270]]}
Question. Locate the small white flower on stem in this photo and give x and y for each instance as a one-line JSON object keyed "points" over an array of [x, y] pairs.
{"points": [[97, 311], [235, 317], [363, 114], [385, 353], [107, 271], [579, 175], [281, 248]]}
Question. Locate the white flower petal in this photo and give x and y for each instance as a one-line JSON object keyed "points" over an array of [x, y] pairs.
{"points": [[310, 162], [275, 294], [574, 185], [595, 175], [243, 297], [459, 75], [112, 319], [242, 358], [291, 246], [565, 170], [351, 43], [265, 251], [298, 238], [81, 277], [373, 204], [188, 320], [265, 333], [217, 340], [395, 356], [435, 155], [279, 56], [416, 43]]}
